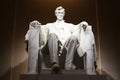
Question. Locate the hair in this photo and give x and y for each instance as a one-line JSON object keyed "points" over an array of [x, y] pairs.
{"points": [[60, 8]]}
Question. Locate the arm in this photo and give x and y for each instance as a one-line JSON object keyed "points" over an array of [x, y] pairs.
{"points": [[43, 35], [77, 31]]}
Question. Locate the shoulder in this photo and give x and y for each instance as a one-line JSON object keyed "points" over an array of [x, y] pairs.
{"points": [[69, 24], [49, 24]]}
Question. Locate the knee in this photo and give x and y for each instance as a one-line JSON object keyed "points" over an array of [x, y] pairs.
{"points": [[73, 38], [52, 35]]}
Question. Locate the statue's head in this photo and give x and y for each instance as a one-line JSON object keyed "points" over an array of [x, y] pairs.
{"points": [[59, 13]]}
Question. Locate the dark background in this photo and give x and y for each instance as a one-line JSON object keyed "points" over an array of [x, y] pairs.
{"points": [[15, 16]]}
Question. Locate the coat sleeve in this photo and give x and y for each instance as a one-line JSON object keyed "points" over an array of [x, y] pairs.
{"points": [[43, 35]]}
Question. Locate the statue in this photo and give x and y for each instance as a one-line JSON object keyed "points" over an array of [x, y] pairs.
{"points": [[61, 34], [54, 37]]}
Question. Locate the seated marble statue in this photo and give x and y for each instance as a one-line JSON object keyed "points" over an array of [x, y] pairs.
{"points": [[61, 33], [51, 39]]}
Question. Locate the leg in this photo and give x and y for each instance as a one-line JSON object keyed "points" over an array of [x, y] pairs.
{"points": [[71, 48], [53, 49]]}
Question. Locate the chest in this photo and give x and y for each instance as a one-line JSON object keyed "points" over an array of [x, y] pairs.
{"points": [[60, 29]]}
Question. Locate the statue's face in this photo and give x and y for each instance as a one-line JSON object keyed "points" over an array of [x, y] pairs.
{"points": [[60, 14]]}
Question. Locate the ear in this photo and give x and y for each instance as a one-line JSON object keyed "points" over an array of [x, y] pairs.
{"points": [[64, 13], [55, 13]]}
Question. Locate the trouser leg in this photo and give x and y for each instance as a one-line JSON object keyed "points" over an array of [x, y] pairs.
{"points": [[53, 47], [71, 48]]}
